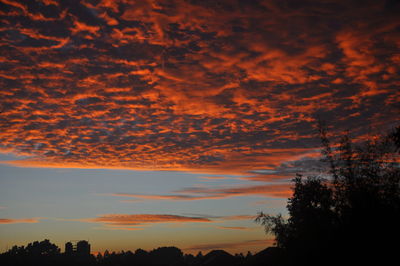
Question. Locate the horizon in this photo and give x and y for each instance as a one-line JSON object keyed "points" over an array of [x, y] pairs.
{"points": [[185, 251], [143, 124]]}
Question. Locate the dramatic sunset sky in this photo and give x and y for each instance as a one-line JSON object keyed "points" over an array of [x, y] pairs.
{"points": [[144, 123]]}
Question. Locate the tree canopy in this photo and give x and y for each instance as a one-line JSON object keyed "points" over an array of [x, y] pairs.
{"points": [[350, 214]]}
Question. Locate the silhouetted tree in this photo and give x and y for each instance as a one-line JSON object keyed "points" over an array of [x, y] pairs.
{"points": [[353, 215], [35, 253], [106, 254], [220, 258], [44, 248], [166, 256], [99, 257], [199, 255]]}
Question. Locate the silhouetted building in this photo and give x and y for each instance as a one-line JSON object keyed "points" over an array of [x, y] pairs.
{"points": [[77, 247], [69, 248]]}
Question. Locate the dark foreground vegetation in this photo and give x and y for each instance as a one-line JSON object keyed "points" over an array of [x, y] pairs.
{"points": [[349, 216], [44, 253]]}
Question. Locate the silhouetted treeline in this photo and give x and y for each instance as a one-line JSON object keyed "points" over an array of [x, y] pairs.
{"points": [[350, 217], [46, 253], [42, 253]]}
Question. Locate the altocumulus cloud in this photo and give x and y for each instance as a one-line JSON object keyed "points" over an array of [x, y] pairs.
{"points": [[191, 85]]}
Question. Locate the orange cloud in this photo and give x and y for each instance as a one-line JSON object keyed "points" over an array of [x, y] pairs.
{"points": [[274, 190], [138, 219], [282, 190], [18, 221], [132, 222]]}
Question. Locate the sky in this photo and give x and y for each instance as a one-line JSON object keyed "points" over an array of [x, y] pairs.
{"points": [[139, 124]]}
